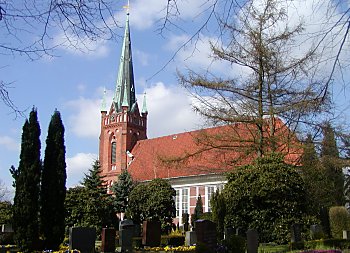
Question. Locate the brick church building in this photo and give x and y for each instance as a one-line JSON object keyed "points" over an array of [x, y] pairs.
{"points": [[193, 162]]}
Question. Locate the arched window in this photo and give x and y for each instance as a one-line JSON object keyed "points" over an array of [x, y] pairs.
{"points": [[113, 152]]}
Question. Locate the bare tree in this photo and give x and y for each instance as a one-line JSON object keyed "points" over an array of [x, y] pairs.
{"points": [[75, 19], [276, 79]]}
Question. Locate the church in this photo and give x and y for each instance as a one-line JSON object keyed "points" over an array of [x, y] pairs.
{"points": [[194, 162]]}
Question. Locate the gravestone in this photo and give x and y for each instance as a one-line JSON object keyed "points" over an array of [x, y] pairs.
{"points": [[316, 231], [206, 233], [252, 241], [126, 233], [108, 240], [296, 233], [228, 232], [346, 235], [190, 238], [82, 239], [151, 232], [240, 232], [6, 228]]}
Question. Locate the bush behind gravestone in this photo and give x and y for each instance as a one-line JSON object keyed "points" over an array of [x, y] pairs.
{"points": [[339, 219], [6, 238], [235, 244]]}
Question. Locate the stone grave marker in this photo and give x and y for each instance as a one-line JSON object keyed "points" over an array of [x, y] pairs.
{"points": [[108, 240], [126, 233], [190, 238], [316, 231], [296, 233], [346, 235], [6, 228], [228, 232], [151, 232], [206, 233], [82, 239], [252, 241]]}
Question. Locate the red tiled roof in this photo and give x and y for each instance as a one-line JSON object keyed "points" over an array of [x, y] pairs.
{"points": [[207, 151]]}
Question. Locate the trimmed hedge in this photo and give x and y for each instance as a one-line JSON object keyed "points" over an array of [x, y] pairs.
{"points": [[339, 219], [319, 244]]}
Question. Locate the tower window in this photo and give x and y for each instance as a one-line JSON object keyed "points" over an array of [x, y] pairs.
{"points": [[113, 152]]}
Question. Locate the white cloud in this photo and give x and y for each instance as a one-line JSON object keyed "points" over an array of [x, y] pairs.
{"points": [[9, 143], [169, 111], [142, 57], [86, 112], [197, 54], [77, 166], [81, 46], [145, 16]]}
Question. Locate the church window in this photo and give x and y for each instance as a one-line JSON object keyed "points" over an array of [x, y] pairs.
{"points": [[177, 203], [185, 200], [182, 201], [210, 190], [113, 152]]}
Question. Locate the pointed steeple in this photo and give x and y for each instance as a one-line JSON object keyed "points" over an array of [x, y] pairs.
{"points": [[125, 89], [103, 103], [144, 104]]}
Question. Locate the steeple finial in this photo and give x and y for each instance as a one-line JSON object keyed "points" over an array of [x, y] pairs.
{"points": [[103, 103], [125, 89], [144, 104]]}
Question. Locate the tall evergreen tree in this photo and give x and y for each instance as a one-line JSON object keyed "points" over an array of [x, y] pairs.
{"points": [[198, 210], [313, 175], [121, 190], [333, 167], [53, 185], [99, 211], [27, 184]]}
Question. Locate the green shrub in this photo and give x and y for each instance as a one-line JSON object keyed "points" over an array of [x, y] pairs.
{"points": [[339, 219], [235, 244], [202, 248], [327, 244], [206, 216], [6, 238], [296, 245], [170, 240]]}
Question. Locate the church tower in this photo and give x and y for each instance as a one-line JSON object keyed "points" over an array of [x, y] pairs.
{"points": [[123, 125]]}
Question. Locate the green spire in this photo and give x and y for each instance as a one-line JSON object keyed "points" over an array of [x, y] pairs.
{"points": [[144, 104], [125, 89], [103, 103]]}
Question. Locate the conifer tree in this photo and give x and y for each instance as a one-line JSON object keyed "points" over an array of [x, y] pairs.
{"points": [[313, 175], [218, 207], [27, 184], [99, 211], [333, 167], [53, 185], [121, 189], [198, 210]]}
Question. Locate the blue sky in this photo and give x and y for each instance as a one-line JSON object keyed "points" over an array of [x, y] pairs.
{"points": [[73, 83]]}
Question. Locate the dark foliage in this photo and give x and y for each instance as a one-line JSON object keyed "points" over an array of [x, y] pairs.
{"points": [[90, 205], [121, 190], [268, 195], [27, 184], [53, 185], [152, 201], [333, 168]]}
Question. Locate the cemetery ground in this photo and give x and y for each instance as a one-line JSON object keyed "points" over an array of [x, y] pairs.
{"points": [[131, 238]]}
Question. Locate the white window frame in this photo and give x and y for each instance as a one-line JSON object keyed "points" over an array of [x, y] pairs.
{"points": [[179, 200], [207, 198]]}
